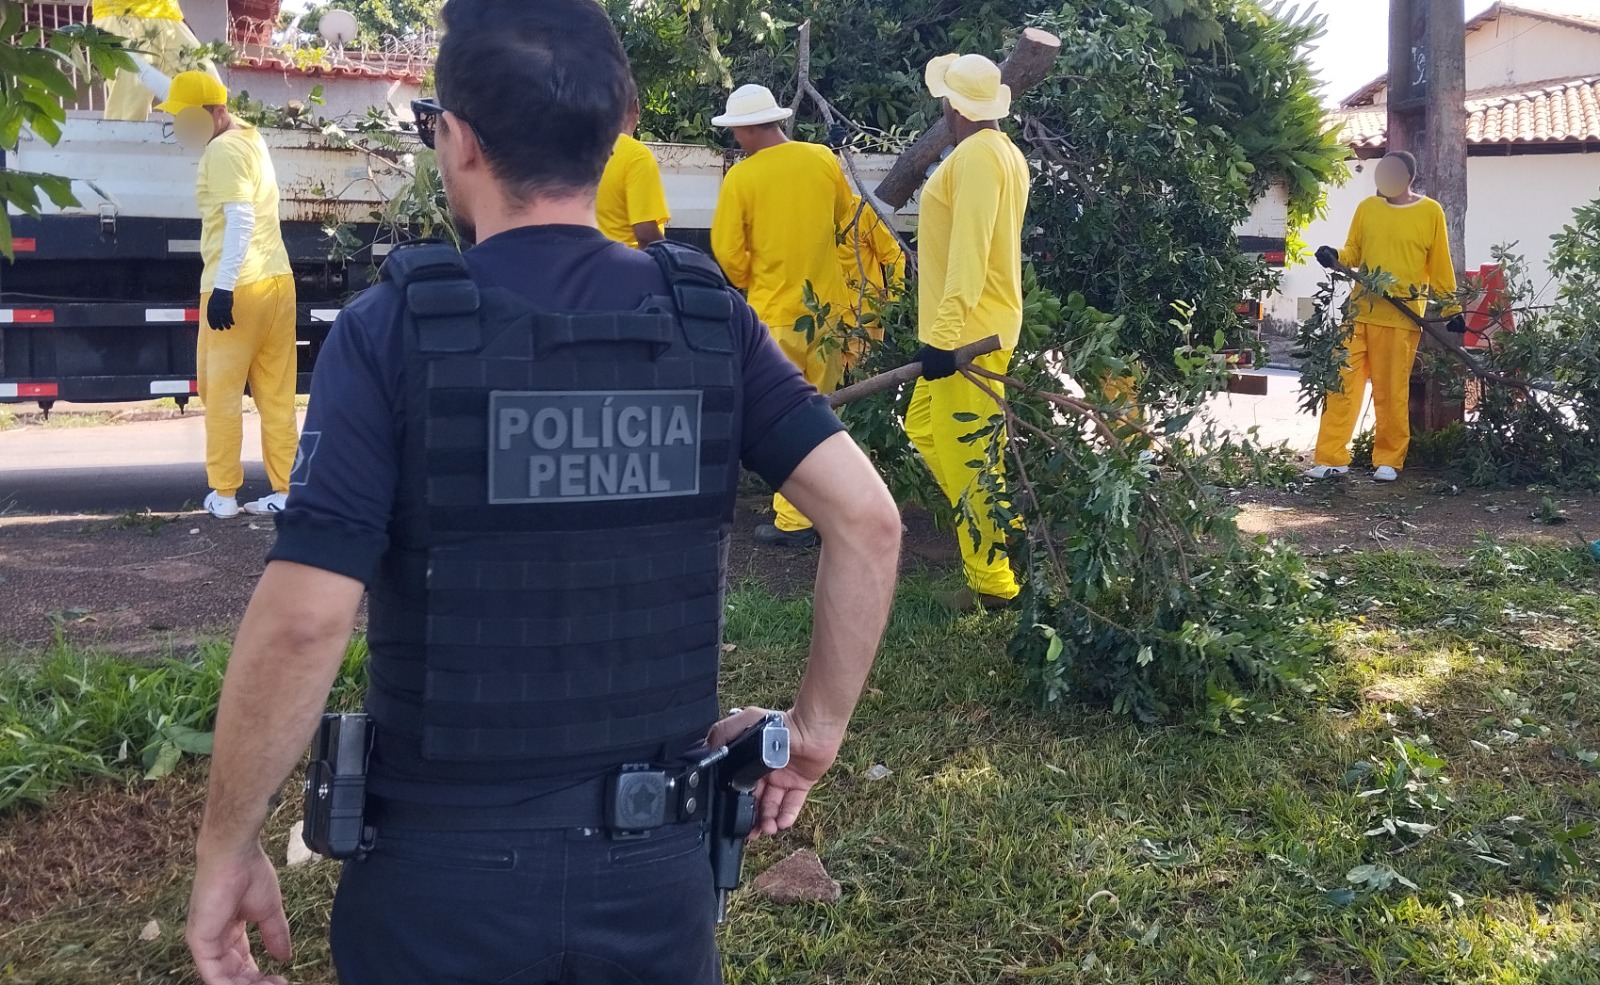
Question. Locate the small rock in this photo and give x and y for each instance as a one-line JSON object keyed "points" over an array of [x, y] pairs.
{"points": [[878, 772], [1382, 694], [298, 853], [194, 531], [800, 878], [151, 931], [729, 647]]}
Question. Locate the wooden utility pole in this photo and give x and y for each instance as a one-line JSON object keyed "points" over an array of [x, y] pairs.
{"points": [[1428, 117], [1427, 102]]}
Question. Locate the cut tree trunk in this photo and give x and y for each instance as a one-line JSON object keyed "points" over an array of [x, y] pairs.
{"points": [[1028, 64]]}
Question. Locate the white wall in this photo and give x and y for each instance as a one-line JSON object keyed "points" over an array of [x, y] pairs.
{"points": [[1526, 199], [1523, 198], [1515, 50]]}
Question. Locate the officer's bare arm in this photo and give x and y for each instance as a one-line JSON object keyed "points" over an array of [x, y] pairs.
{"points": [[287, 653], [837, 487]]}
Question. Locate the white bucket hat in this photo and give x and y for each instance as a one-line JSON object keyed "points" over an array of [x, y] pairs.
{"points": [[972, 84], [749, 106]]}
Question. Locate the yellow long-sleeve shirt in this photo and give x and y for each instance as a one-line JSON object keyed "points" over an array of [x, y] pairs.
{"points": [[776, 228], [161, 10], [236, 167], [969, 244], [1409, 242], [872, 259], [630, 192]]}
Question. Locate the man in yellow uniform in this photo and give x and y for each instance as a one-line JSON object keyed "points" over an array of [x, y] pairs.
{"points": [[969, 286], [247, 300], [1404, 235], [631, 205], [776, 230], [156, 29], [874, 271]]}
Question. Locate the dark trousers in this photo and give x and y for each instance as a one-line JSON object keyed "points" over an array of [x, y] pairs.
{"points": [[528, 908]]}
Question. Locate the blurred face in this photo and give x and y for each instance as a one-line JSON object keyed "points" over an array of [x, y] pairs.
{"points": [[1392, 177]]}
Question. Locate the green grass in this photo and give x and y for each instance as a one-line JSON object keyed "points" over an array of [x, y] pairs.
{"points": [[1011, 844]]}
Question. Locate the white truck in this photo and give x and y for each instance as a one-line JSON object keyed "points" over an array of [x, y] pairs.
{"points": [[101, 302]]}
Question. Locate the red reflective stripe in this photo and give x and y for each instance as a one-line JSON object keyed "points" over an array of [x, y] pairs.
{"points": [[37, 390], [24, 245], [191, 314], [33, 315], [1275, 257]]}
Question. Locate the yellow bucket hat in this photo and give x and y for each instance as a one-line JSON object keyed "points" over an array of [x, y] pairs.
{"points": [[972, 84], [194, 89]]}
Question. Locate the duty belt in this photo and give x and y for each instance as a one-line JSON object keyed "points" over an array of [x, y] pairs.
{"points": [[631, 800]]}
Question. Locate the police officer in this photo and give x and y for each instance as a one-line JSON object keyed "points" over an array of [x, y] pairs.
{"points": [[528, 461]]}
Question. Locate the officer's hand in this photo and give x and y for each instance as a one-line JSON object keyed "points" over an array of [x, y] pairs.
{"points": [[230, 893], [219, 310], [838, 135], [1457, 325], [936, 363], [1327, 256], [781, 793]]}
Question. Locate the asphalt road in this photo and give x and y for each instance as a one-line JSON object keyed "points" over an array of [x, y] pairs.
{"points": [[114, 469], [160, 465]]}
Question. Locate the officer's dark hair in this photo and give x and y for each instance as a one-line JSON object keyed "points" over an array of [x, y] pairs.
{"points": [[542, 83], [1408, 159]]}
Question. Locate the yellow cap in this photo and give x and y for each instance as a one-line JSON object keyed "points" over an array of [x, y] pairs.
{"points": [[194, 89]]}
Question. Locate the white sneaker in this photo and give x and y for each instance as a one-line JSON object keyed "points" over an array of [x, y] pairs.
{"points": [[1326, 471], [221, 507], [1385, 473], [267, 505]]}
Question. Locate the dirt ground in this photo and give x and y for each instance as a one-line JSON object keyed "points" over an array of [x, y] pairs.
{"points": [[1425, 511], [149, 584], [146, 585]]}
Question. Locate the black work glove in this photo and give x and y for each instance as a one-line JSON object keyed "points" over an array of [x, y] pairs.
{"points": [[838, 135], [1327, 256], [1457, 325], [936, 363], [219, 310]]}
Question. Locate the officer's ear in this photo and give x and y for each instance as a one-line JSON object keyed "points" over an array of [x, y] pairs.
{"points": [[462, 146]]}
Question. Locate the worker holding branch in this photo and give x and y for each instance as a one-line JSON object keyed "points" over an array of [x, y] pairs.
{"points": [[247, 295], [969, 287], [776, 231], [1402, 234], [154, 29]]}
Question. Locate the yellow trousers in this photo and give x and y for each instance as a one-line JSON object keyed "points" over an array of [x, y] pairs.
{"points": [[163, 43], [1385, 355], [259, 350], [821, 370], [932, 427]]}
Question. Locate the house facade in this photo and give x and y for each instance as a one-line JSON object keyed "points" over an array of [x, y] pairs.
{"points": [[1533, 143]]}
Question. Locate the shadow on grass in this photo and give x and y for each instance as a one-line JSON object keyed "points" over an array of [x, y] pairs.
{"points": [[1009, 843]]}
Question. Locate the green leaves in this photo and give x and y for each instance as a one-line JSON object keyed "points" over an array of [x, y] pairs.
{"points": [[39, 73]]}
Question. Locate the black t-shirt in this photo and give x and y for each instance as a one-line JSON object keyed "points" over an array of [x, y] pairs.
{"points": [[343, 490]]}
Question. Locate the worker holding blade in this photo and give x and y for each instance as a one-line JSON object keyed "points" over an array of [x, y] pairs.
{"points": [[631, 205], [247, 295], [154, 29], [1403, 234], [776, 231], [969, 286]]}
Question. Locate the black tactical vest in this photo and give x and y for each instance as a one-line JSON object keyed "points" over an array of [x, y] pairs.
{"points": [[554, 588]]}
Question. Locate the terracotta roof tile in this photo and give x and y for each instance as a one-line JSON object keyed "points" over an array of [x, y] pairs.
{"points": [[409, 73], [1560, 111]]}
